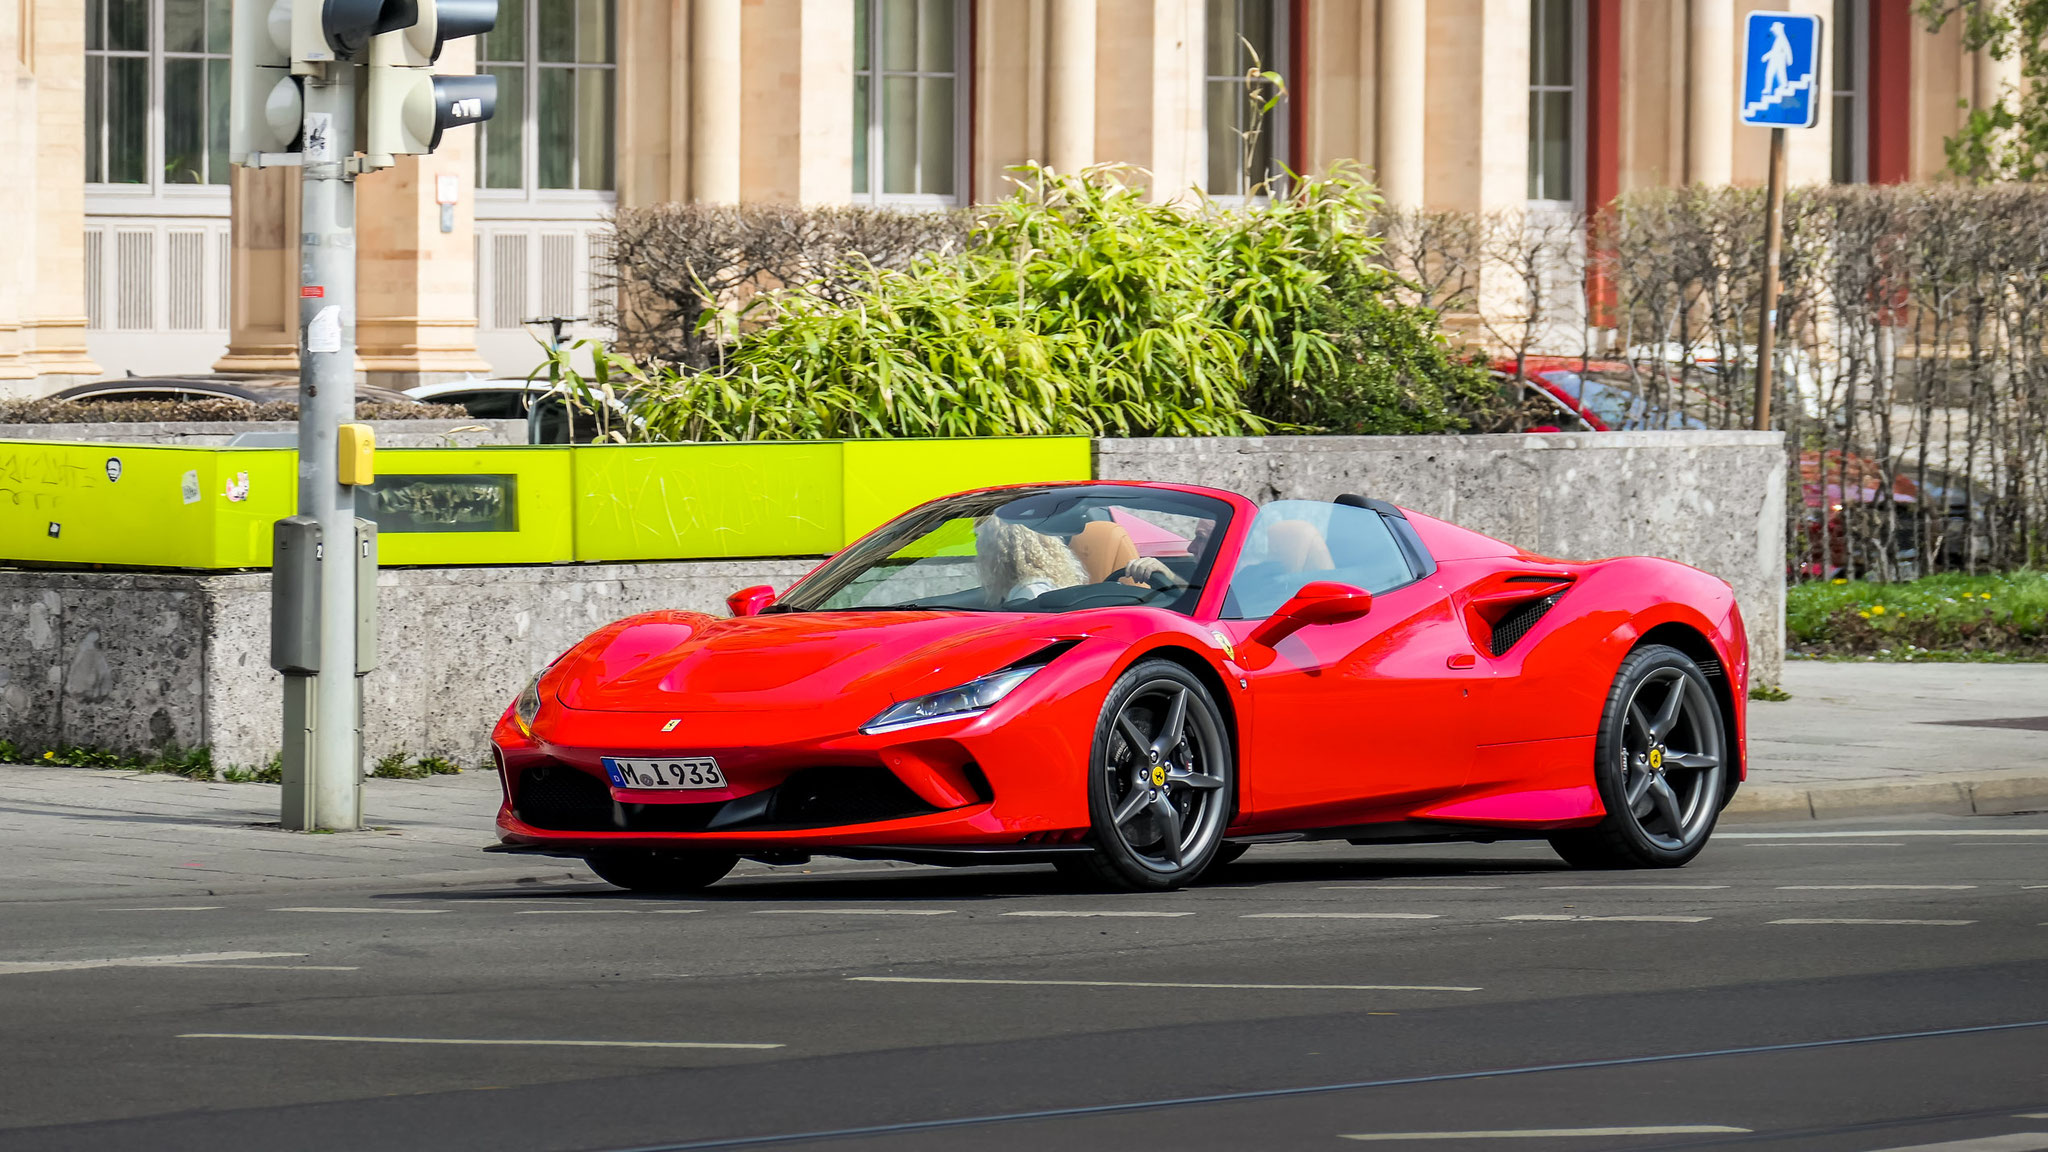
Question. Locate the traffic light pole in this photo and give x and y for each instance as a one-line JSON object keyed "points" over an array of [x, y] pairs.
{"points": [[332, 774]]}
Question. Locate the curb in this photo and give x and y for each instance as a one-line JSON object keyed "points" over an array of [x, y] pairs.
{"points": [[1988, 794]]}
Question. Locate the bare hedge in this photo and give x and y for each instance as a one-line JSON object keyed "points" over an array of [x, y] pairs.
{"points": [[178, 411]]}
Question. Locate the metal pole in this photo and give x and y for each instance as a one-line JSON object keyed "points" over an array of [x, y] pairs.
{"points": [[327, 394], [1767, 328]]}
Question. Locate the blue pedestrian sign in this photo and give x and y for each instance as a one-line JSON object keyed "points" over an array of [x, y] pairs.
{"points": [[1781, 70]]}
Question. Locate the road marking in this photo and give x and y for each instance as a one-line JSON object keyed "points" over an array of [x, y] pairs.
{"points": [[18, 966], [1632, 887], [1875, 887], [1887, 832], [1413, 887], [170, 908], [1824, 843], [2031, 1116], [1548, 1133], [1169, 984], [481, 1043], [385, 911], [1340, 916], [604, 911], [2013, 1142], [852, 912], [278, 967], [2031, 887], [1616, 919], [1856, 921], [1088, 914]]}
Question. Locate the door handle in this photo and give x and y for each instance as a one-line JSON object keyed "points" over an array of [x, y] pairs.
{"points": [[1461, 660]]}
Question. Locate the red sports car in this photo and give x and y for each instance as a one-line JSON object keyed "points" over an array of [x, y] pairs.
{"points": [[1135, 682]]}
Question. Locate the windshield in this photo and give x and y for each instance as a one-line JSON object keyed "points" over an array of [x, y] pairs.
{"points": [[1029, 550]]}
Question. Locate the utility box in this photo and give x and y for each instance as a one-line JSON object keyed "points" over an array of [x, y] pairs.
{"points": [[366, 595], [296, 553]]}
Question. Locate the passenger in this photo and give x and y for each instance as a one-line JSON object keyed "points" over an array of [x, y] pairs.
{"points": [[1018, 563]]}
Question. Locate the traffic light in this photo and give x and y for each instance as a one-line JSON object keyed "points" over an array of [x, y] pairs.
{"points": [[409, 107], [324, 30], [265, 108]]}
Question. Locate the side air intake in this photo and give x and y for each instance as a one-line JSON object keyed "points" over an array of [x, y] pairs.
{"points": [[1516, 624]]}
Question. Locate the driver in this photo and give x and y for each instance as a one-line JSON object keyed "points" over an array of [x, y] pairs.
{"points": [[1018, 563]]}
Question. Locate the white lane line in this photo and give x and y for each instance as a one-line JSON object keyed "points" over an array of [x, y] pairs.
{"points": [[1954, 923], [384, 911], [852, 912], [1141, 915], [1875, 887], [604, 911], [1340, 916], [1413, 887], [1886, 832], [170, 908], [2011, 1142], [2030, 1116], [479, 1043], [1615, 919], [1169, 984], [1632, 887], [11, 967], [1825, 843], [2031, 887], [1548, 1133], [277, 967]]}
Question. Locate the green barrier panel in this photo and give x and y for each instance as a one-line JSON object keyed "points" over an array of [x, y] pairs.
{"points": [[146, 506], [887, 477], [141, 505], [462, 506], [689, 501]]}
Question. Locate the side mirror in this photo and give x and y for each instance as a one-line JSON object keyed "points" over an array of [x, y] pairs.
{"points": [[751, 601], [1320, 602]]}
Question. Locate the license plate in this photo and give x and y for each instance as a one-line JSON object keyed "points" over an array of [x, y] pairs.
{"points": [[673, 774]]}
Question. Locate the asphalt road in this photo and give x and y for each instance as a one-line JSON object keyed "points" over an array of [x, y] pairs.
{"points": [[1851, 987]]}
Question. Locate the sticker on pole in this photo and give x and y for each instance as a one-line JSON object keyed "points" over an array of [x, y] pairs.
{"points": [[1781, 70], [323, 331], [319, 145]]}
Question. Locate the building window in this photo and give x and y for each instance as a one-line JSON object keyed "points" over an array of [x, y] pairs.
{"points": [[1557, 115], [156, 92], [557, 67], [1242, 35], [1848, 81], [909, 100]]}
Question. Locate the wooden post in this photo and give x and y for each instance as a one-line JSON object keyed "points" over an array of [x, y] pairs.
{"points": [[1767, 329]]}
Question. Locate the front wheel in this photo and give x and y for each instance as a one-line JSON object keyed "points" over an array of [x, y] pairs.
{"points": [[1662, 767], [1161, 782], [647, 870]]}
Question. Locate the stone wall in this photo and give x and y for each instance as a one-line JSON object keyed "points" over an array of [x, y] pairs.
{"points": [[220, 433], [130, 660], [1714, 500]]}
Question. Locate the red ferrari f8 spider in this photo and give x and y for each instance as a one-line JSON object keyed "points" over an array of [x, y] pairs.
{"points": [[1135, 682]]}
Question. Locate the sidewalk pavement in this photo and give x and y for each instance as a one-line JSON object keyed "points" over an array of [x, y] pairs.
{"points": [[1856, 739]]}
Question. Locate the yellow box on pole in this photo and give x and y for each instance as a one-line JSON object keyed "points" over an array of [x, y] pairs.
{"points": [[357, 447]]}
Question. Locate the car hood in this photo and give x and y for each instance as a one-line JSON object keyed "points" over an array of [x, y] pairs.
{"points": [[856, 663]]}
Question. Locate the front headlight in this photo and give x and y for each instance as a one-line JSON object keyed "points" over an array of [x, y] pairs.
{"points": [[969, 699], [528, 705]]}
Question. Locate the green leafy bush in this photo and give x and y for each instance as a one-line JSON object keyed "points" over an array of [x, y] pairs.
{"points": [[1078, 307]]}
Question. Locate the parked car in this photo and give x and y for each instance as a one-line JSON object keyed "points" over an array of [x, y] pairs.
{"points": [[551, 417], [1605, 396], [1842, 527], [256, 389], [1013, 675]]}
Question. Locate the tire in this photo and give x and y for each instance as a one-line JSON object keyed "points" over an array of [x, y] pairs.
{"points": [[1661, 769], [647, 870], [1174, 802]]}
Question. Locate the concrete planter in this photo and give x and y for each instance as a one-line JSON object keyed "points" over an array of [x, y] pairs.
{"points": [[130, 660]]}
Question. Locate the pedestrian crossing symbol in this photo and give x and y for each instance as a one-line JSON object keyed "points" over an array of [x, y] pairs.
{"points": [[1781, 70]]}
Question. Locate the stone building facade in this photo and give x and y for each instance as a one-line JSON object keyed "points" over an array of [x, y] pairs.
{"points": [[130, 246]]}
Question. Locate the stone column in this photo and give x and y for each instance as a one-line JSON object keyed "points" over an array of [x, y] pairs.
{"points": [[1710, 93], [1810, 152], [715, 101], [1996, 80], [17, 215], [263, 272], [1070, 85], [1402, 91], [53, 307], [795, 86]]}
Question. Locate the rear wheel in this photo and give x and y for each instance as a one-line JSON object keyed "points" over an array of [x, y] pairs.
{"points": [[647, 870], [1161, 782], [1662, 767]]}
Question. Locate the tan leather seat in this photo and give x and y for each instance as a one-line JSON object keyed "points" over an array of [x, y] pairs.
{"points": [[1297, 546], [1104, 548]]}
